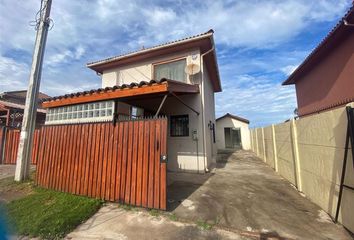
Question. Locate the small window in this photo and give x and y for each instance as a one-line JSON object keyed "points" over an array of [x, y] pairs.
{"points": [[179, 126], [171, 70]]}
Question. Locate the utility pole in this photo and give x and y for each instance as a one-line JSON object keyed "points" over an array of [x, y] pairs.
{"points": [[30, 112]]}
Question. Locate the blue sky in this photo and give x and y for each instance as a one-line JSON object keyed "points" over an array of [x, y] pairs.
{"points": [[258, 44]]}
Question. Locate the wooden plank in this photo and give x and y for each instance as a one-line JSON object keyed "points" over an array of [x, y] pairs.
{"points": [[63, 158], [66, 170], [129, 163], [157, 163], [54, 156], [119, 161], [163, 182], [96, 160], [58, 153], [78, 154], [107, 95], [39, 171], [134, 162], [71, 159], [47, 155], [114, 162], [151, 165], [80, 151], [109, 161], [86, 168], [92, 160], [124, 161], [100, 161], [104, 161], [85, 152], [144, 197], [51, 157], [140, 163]]}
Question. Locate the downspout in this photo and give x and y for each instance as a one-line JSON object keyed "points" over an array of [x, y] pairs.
{"points": [[202, 102]]}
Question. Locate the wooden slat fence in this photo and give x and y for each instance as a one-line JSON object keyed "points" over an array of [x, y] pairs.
{"points": [[9, 141], [116, 162]]}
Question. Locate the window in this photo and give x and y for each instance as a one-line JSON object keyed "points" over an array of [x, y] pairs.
{"points": [[179, 126], [88, 112], [171, 70]]}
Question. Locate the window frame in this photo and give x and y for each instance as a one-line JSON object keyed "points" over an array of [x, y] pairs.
{"points": [[59, 115], [170, 125], [153, 65]]}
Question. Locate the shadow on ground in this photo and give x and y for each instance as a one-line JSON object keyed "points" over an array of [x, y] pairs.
{"points": [[246, 195]]}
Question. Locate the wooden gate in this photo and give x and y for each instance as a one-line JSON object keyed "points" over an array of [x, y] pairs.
{"points": [[116, 162], [9, 141]]}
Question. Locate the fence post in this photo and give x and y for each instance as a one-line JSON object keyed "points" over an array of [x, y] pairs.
{"points": [[2, 142], [255, 130], [264, 150], [296, 155], [275, 149]]}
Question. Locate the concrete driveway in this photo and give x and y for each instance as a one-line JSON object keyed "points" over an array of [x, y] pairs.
{"points": [[245, 194]]}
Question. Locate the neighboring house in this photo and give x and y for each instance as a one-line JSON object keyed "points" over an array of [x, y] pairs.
{"points": [[232, 132], [176, 79], [12, 105], [325, 79]]}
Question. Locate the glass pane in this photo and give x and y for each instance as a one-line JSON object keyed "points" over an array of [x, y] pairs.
{"points": [[103, 113], [109, 112], [91, 106], [74, 108], [173, 70], [79, 115], [103, 104], [79, 107], [86, 107], [90, 114], [74, 115], [109, 104], [70, 115], [84, 115], [96, 113], [97, 106]]}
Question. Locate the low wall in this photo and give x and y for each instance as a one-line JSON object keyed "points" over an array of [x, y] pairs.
{"points": [[309, 153]]}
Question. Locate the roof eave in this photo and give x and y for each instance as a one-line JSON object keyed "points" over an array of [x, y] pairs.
{"points": [[338, 29], [93, 65]]}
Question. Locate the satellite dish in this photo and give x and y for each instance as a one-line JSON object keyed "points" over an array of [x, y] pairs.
{"points": [[192, 69]]}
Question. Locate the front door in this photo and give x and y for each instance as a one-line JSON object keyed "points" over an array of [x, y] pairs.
{"points": [[232, 137]]}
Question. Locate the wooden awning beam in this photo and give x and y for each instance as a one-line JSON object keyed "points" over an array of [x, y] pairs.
{"points": [[146, 90]]}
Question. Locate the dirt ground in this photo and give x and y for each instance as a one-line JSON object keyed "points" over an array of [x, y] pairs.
{"points": [[9, 190]]}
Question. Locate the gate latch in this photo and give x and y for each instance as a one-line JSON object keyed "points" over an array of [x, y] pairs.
{"points": [[163, 159]]}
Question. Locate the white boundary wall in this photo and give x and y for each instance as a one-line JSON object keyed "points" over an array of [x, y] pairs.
{"points": [[309, 153]]}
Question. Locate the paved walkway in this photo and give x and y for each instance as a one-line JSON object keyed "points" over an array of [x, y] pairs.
{"points": [[8, 170], [242, 199], [245, 194]]}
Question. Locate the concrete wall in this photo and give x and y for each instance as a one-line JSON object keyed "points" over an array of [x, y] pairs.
{"points": [[309, 153], [228, 122], [184, 153]]}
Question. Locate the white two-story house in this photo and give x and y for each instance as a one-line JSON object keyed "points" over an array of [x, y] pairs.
{"points": [[177, 79]]}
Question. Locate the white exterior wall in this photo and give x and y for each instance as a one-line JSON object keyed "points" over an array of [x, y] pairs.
{"points": [[143, 71], [228, 122], [184, 153]]}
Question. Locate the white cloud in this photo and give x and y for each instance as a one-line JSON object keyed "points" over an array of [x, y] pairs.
{"points": [[289, 69], [13, 74], [90, 30]]}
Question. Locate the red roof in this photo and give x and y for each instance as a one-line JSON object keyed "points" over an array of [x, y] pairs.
{"points": [[334, 37], [234, 117]]}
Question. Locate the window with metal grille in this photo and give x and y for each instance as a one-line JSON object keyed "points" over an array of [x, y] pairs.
{"points": [[179, 126]]}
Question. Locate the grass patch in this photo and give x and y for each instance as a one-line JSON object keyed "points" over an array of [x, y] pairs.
{"points": [[154, 212], [172, 217], [204, 225], [49, 214]]}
